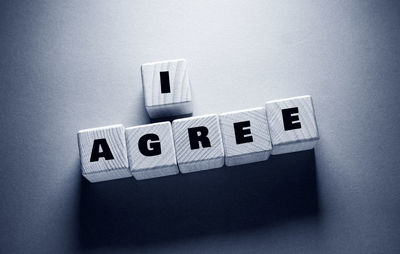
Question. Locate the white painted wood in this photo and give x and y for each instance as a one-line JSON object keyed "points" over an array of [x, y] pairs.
{"points": [[294, 140], [103, 170], [259, 149], [145, 167], [178, 101], [203, 158]]}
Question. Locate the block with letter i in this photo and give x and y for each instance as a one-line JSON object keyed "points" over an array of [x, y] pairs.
{"points": [[103, 153], [166, 88], [246, 136], [292, 124], [198, 143], [151, 151]]}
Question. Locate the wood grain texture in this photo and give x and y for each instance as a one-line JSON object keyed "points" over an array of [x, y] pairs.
{"points": [[257, 150], [103, 170], [145, 167], [295, 140], [178, 101], [202, 158]]}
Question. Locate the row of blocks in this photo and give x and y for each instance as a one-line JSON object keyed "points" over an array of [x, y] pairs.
{"points": [[198, 143]]}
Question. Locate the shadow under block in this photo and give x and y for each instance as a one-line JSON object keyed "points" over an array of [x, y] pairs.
{"points": [[198, 143], [103, 153], [151, 150], [245, 135], [292, 124], [166, 88]]}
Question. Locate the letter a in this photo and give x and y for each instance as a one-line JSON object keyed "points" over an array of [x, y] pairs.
{"points": [[105, 150]]}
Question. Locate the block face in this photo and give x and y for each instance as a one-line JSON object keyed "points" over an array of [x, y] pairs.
{"points": [[151, 150], [108, 175], [103, 153], [245, 135], [166, 88], [194, 155], [292, 124]]}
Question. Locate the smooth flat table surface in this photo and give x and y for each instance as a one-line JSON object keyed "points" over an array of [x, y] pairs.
{"points": [[70, 65]]}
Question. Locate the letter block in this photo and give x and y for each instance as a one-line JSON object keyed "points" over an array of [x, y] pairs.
{"points": [[166, 88], [198, 143], [292, 124], [103, 153], [246, 136], [151, 150]]}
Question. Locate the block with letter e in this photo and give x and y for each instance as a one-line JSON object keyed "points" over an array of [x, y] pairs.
{"points": [[246, 136], [292, 124], [103, 153], [166, 88]]}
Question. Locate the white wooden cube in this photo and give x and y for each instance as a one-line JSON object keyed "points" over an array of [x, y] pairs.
{"points": [[103, 153], [245, 135], [151, 150], [166, 88], [198, 143], [292, 124]]}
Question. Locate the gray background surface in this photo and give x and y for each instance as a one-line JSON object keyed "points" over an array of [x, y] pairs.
{"points": [[69, 65]]}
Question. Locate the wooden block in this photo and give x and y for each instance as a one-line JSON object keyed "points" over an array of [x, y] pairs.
{"points": [[103, 153], [292, 124], [245, 135], [151, 150], [198, 143], [166, 88]]}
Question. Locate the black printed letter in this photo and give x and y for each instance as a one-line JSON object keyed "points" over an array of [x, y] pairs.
{"points": [[149, 148], [164, 78], [290, 116], [106, 152], [242, 135], [198, 134]]}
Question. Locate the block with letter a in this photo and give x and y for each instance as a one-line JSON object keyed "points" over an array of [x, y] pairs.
{"points": [[292, 124], [103, 153]]}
